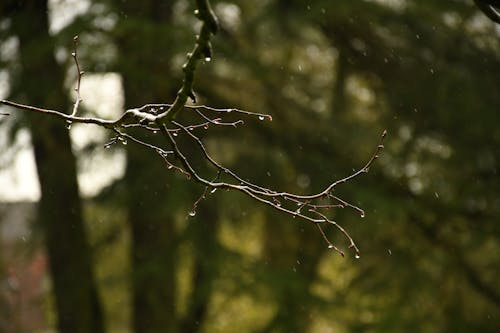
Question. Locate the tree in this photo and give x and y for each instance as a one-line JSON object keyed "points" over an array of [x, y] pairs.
{"points": [[60, 213]]}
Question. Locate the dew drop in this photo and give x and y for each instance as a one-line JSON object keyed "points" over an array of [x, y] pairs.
{"points": [[330, 246], [170, 166], [73, 54], [124, 142], [196, 12], [155, 131], [213, 190], [174, 134], [208, 59], [261, 117], [68, 126], [107, 146], [362, 214], [357, 256], [192, 213]]}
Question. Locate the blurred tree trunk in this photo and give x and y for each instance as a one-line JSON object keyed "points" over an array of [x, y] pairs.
{"points": [[341, 72], [144, 62], [60, 212], [145, 44], [293, 253], [153, 243], [203, 232]]}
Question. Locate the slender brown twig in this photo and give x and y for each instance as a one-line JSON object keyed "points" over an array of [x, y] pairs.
{"points": [[80, 73]]}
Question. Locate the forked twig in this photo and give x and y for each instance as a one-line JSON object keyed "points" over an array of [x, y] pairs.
{"points": [[80, 73]]}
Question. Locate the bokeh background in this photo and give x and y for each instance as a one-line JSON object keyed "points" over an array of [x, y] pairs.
{"points": [[100, 240]]}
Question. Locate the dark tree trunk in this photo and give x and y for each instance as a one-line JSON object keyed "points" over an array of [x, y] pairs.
{"points": [[146, 36], [145, 65], [292, 253], [153, 243], [60, 213], [203, 232]]}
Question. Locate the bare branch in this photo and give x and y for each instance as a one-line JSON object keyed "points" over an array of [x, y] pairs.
{"points": [[202, 50], [160, 118], [490, 8]]}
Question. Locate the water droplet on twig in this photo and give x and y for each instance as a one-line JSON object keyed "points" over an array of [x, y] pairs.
{"points": [[192, 213], [261, 117]]}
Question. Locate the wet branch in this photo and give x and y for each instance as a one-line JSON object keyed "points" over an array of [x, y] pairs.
{"points": [[160, 119]]}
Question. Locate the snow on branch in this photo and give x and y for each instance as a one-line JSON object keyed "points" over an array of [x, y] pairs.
{"points": [[161, 118]]}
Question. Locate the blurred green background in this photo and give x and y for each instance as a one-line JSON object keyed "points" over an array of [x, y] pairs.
{"points": [[121, 254]]}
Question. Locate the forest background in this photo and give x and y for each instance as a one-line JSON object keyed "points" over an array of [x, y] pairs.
{"points": [[127, 256]]}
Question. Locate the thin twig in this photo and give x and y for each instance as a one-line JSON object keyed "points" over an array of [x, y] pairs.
{"points": [[80, 73]]}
